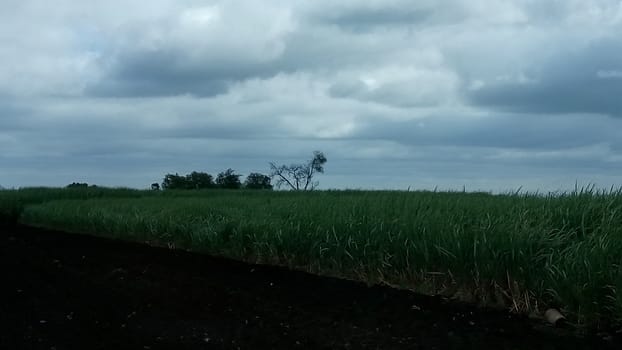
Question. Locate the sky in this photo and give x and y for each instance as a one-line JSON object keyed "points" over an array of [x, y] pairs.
{"points": [[454, 94]]}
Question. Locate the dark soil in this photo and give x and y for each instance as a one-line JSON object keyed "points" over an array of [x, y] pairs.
{"points": [[64, 291]]}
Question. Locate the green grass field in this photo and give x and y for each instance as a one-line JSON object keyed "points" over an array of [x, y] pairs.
{"points": [[525, 252]]}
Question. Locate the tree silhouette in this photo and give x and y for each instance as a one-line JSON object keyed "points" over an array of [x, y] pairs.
{"points": [[299, 176], [257, 181], [77, 185], [198, 180], [228, 179], [192, 181]]}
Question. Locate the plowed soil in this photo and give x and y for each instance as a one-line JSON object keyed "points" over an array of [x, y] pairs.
{"points": [[67, 291]]}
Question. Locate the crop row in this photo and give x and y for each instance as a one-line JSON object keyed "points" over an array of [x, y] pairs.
{"points": [[520, 251]]}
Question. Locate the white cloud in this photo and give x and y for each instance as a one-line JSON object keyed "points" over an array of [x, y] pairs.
{"points": [[401, 86]]}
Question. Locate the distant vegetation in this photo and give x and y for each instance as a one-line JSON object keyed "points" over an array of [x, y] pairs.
{"points": [[13, 202], [77, 185], [257, 181], [227, 179], [524, 252], [294, 176], [192, 181]]}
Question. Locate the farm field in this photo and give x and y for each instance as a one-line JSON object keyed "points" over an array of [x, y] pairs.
{"points": [[519, 252], [67, 291]]}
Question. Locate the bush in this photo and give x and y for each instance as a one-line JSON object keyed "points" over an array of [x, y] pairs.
{"points": [[257, 181]]}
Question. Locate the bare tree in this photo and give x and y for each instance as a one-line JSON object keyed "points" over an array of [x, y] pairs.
{"points": [[299, 176]]}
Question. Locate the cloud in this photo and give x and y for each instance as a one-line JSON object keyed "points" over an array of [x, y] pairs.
{"points": [[501, 131], [396, 93], [609, 74], [399, 86], [357, 17], [579, 81], [196, 50]]}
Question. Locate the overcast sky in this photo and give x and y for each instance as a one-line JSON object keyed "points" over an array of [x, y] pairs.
{"points": [[485, 95]]}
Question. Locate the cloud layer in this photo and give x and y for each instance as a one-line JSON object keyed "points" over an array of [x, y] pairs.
{"points": [[483, 94]]}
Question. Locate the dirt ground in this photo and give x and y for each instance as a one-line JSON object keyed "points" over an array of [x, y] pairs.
{"points": [[63, 291]]}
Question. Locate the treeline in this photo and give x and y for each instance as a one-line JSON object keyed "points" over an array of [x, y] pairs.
{"points": [[297, 177], [227, 179], [79, 185]]}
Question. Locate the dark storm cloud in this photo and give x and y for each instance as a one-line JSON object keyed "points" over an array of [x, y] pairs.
{"points": [[168, 73], [367, 18], [585, 81], [196, 50], [531, 132], [138, 84]]}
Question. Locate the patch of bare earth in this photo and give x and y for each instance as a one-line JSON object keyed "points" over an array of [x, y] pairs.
{"points": [[63, 291]]}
